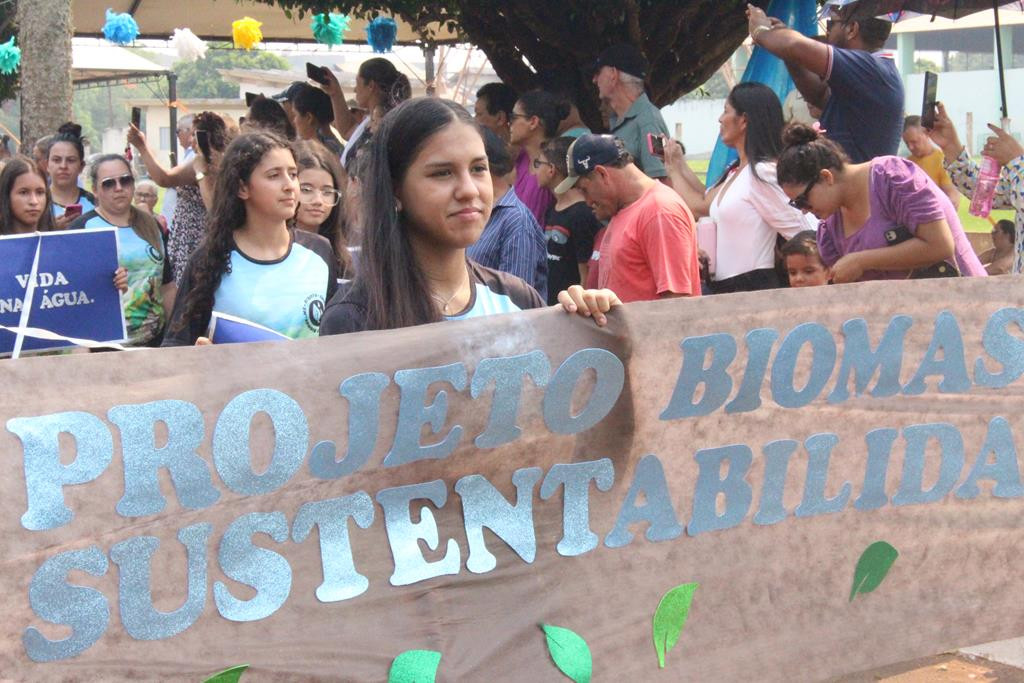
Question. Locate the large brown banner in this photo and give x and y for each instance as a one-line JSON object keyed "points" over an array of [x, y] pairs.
{"points": [[315, 509]]}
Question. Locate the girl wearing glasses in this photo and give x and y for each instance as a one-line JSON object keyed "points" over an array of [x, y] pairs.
{"points": [[882, 219], [320, 202], [251, 264], [748, 207], [141, 251], [428, 196]]}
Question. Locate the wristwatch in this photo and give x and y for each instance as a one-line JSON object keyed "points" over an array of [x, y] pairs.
{"points": [[758, 30]]}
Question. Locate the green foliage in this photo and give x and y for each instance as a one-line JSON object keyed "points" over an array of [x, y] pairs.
{"points": [[200, 79], [569, 652], [872, 567], [228, 675], [921, 65], [415, 666], [670, 617]]}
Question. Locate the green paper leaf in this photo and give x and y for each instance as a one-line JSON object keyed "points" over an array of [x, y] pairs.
{"points": [[670, 617], [570, 652], [228, 675], [414, 666], [873, 565]]}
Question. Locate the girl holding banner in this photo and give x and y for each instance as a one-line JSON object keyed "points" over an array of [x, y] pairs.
{"points": [[141, 251], [251, 265], [25, 204], [428, 196]]}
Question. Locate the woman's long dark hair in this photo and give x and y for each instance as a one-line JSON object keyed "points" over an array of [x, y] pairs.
{"points": [[212, 259], [547, 107], [394, 86], [765, 121], [312, 154], [396, 290], [14, 169]]}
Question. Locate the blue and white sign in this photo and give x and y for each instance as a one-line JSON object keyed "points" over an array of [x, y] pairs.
{"points": [[66, 281], [230, 329]]}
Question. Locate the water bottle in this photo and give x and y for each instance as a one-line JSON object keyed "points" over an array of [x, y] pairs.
{"points": [[988, 176]]}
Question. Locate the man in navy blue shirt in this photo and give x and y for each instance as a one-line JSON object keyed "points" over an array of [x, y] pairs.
{"points": [[512, 241], [847, 76]]}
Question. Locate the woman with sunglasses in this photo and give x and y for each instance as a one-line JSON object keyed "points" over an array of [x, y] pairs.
{"points": [[320, 208], [141, 251], [747, 205], [428, 196], [882, 219]]}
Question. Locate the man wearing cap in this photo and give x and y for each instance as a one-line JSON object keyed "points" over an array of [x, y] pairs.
{"points": [[847, 76], [619, 74], [288, 95], [649, 249]]}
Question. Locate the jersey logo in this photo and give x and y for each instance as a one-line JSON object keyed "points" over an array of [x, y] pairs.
{"points": [[314, 311], [154, 255]]}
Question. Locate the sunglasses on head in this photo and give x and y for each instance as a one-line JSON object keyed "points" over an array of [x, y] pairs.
{"points": [[800, 201], [126, 180], [537, 163]]}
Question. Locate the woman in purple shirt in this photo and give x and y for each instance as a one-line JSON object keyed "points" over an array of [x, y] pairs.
{"points": [[883, 219]]}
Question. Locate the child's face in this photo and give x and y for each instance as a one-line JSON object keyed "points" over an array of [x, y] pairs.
{"points": [[805, 271]]}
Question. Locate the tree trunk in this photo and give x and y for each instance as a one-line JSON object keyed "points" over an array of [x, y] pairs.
{"points": [[44, 35]]}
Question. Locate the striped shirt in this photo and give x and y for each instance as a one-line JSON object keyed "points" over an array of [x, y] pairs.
{"points": [[513, 242]]}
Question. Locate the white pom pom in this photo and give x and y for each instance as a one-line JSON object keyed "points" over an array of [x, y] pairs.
{"points": [[190, 47]]}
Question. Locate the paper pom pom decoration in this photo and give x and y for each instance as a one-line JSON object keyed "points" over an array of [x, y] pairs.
{"points": [[190, 47], [381, 34], [120, 28], [10, 57], [329, 29], [246, 32]]}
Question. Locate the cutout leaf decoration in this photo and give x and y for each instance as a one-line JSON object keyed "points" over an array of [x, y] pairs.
{"points": [[670, 617], [873, 565], [570, 652], [228, 675], [415, 666]]}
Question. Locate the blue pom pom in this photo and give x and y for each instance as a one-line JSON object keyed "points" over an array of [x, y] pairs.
{"points": [[10, 57], [381, 34], [120, 28]]}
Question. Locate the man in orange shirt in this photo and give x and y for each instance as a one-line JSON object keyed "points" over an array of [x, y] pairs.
{"points": [[925, 154], [649, 249]]}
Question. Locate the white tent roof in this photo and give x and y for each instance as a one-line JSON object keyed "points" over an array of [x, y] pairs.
{"points": [[97, 63], [211, 20]]}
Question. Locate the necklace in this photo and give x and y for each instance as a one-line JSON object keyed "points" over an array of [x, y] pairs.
{"points": [[445, 302]]}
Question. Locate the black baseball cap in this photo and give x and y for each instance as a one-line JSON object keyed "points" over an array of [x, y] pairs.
{"points": [[624, 57], [588, 152]]}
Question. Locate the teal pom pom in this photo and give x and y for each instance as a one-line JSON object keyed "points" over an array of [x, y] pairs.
{"points": [[10, 57], [381, 34], [120, 28], [329, 29]]}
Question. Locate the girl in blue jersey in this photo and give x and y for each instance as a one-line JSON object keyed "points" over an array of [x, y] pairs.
{"points": [[251, 264], [427, 197]]}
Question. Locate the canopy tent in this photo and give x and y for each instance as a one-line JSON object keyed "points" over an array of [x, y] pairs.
{"points": [[211, 20], [93, 65]]}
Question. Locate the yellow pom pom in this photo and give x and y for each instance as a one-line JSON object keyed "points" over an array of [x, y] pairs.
{"points": [[246, 32]]}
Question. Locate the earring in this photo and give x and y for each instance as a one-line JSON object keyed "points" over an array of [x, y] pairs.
{"points": [[398, 205]]}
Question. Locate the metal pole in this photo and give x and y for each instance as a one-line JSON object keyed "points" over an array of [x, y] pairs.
{"points": [[172, 106], [999, 61], [429, 50]]}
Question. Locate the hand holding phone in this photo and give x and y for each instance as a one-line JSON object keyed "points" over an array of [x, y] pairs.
{"points": [[316, 73], [72, 211], [656, 145], [931, 91]]}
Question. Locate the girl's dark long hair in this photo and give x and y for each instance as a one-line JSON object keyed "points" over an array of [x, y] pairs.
{"points": [[312, 154], [212, 259], [14, 169], [395, 288], [394, 86]]}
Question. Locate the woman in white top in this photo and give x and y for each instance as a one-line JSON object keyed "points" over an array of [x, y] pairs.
{"points": [[748, 207]]}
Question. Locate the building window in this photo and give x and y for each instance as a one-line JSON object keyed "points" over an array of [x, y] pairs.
{"points": [[165, 137]]}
